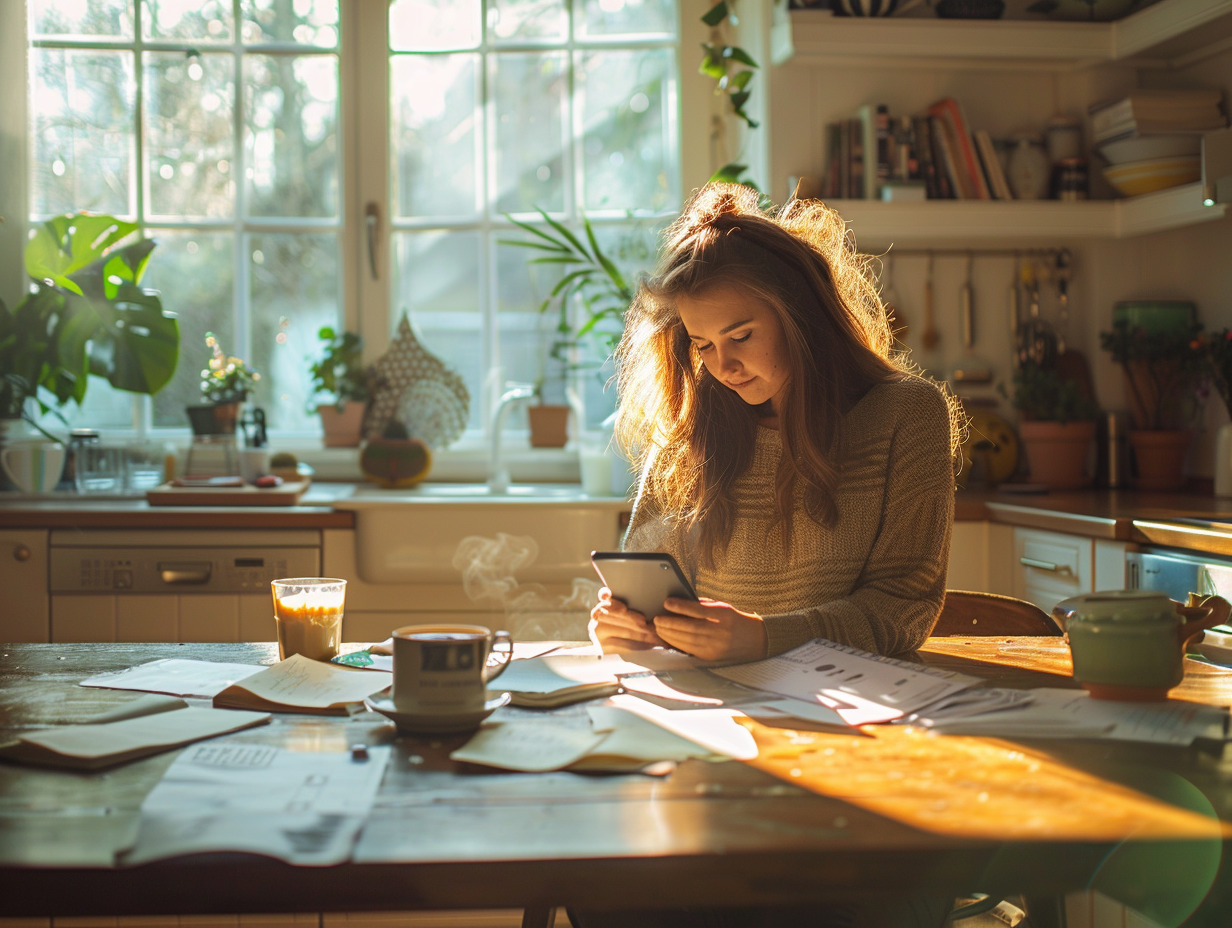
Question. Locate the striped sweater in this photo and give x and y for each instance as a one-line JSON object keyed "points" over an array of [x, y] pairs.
{"points": [[876, 579]]}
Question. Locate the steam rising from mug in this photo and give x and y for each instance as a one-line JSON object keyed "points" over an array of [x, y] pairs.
{"points": [[488, 566]]}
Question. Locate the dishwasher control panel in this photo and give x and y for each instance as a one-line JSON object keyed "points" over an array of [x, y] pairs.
{"points": [[240, 568]]}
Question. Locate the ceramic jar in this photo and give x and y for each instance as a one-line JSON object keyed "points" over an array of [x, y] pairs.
{"points": [[1029, 171]]}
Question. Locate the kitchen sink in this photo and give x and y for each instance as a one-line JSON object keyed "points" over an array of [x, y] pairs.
{"points": [[434, 532]]}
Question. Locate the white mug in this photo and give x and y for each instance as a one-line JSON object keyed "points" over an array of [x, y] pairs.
{"points": [[443, 670], [34, 466]]}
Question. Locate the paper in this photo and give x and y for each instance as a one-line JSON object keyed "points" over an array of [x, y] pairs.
{"points": [[175, 677], [714, 729], [300, 684], [863, 688], [559, 679], [227, 796], [1067, 713], [103, 744]]}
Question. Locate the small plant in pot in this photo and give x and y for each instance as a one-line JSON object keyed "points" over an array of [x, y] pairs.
{"points": [[1056, 426], [226, 382], [342, 386], [1162, 370]]}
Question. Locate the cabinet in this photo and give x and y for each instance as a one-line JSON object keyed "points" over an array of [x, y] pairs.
{"points": [[23, 578], [1051, 566], [1038, 65]]}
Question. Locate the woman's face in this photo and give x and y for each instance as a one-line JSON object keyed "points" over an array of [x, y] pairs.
{"points": [[741, 343]]}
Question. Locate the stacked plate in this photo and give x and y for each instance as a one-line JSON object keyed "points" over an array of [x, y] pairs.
{"points": [[1134, 178]]}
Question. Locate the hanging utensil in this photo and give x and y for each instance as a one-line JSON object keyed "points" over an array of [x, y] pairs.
{"points": [[970, 369], [1014, 308], [1036, 340], [930, 336], [891, 301], [1062, 274]]}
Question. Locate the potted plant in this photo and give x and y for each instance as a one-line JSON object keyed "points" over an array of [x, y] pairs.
{"points": [[84, 315], [341, 380], [1057, 426], [1162, 367], [591, 280], [226, 382]]}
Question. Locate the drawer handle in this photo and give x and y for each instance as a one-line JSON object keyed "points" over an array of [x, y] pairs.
{"points": [[185, 573], [1044, 565], [21, 553]]}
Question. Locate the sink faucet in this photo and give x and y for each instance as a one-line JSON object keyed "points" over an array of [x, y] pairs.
{"points": [[498, 474]]}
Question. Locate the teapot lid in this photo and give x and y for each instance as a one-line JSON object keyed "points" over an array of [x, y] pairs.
{"points": [[1120, 606]]}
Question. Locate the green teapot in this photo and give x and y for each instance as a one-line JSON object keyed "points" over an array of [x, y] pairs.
{"points": [[1130, 644]]}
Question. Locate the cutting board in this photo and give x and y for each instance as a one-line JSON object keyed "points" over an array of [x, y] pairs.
{"points": [[287, 494]]}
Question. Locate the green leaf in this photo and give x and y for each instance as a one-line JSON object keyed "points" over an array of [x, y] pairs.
{"points": [[712, 63], [728, 173], [739, 80], [736, 53], [716, 14]]}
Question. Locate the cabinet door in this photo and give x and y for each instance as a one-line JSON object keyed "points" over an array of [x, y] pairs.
{"points": [[23, 577], [1051, 566]]}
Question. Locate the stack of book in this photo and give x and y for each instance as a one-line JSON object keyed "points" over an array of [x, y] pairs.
{"points": [[1157, 112], [933, 154]]}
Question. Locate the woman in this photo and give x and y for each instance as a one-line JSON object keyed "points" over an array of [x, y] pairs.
{"points": [[791, 460]]}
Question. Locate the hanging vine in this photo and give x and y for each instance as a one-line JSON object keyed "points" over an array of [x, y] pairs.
{"points": [[731, 68]]}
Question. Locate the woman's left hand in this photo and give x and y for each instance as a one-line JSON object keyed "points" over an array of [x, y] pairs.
{"points": [[712, 630]]}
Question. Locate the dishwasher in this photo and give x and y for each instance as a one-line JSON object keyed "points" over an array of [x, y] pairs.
{"points": [[172, 584], [1181, 572]]}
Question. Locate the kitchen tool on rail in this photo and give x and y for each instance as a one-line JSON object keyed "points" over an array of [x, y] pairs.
{"points": [[1037, 342], [1071, 363], [930, 336], [970, 369], [891, 300]]}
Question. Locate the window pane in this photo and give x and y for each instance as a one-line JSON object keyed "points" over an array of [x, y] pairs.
{"points": [[433, 25], [521, 20], [81, 136], [295, 291], [194, 273], [291, 135], [201, 20], [530, 91], [190, 138], [306, 22], [627, 135], [611, 18], [73, 18], [437, 282], [434, 128]]}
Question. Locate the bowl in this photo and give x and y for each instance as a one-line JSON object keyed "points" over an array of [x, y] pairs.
{"points": [[1139, 177], [1156, 317], [1150, 147]]}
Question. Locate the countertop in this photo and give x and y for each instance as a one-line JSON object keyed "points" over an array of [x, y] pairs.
{"points": [[1107, 514]]}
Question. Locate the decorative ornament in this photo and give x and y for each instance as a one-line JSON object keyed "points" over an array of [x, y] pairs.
{"points": [[416, 389], [394, 459]]}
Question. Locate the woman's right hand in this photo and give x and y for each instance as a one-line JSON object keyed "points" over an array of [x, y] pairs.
{"points": [[616, 628]]}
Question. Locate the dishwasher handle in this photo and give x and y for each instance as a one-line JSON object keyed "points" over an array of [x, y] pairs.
{"points": [[185, 573]]}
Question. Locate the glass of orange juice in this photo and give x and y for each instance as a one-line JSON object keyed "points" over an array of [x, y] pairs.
{"points": [[308, 616]]}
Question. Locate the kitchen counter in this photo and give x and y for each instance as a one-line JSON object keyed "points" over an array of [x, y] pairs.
{"points": [[1107, 514]]}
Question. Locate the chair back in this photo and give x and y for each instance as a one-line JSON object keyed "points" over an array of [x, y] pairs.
{"points": [[969, 614]]}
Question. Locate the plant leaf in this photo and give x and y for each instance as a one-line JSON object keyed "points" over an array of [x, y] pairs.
{"points": [[716, 14], [736, 53]]}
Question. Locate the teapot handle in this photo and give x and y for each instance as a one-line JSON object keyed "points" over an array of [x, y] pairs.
{"points": [[1200, 614]]}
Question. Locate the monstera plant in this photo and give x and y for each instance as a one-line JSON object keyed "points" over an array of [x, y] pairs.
{"points": [[85, 314]]}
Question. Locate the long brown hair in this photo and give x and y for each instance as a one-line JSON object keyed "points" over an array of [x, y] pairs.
{"points": [[691, 436]]}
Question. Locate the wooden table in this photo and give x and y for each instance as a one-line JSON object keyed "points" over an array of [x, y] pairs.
{"points": [[447, 836]]}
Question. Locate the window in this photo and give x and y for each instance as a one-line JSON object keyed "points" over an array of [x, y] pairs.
{"points": [[220, 126]]}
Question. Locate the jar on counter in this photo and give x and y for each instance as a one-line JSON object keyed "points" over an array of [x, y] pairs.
{"points": [[1064, 138], [1029, 169], [1071, 179]]}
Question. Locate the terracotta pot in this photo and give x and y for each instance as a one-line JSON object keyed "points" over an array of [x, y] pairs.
{"points": [[342, 429], [549, 425], [1058, 454], [216, 419], [1159, 457]]}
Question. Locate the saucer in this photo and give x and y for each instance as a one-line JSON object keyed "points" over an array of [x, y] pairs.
{"points": [[417, 723]]}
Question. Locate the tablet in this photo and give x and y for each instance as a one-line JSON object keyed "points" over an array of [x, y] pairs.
{"points": [[642, 580]]}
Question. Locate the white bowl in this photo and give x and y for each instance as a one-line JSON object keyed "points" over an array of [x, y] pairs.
{"points": [[1139, 177], [1148, 147]]}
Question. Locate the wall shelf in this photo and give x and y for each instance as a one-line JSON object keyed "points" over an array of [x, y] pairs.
{"points": [[1170, 30], [1001, 223]]}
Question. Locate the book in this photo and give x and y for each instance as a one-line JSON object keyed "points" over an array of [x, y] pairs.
{"points": [[926, 166], [117, 740], [558, 680], [987, 151], [945, 153], [300, 684], [1153, 111], [874, 123], [949, 113]]}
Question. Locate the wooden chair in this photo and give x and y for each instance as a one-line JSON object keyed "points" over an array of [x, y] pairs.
{"points": [[968, 614]]}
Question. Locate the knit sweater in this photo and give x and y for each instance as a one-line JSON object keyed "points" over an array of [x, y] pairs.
{"points": [[875, 579]]}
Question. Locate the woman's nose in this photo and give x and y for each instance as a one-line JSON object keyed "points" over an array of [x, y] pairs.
{"points": [[728, 361]]}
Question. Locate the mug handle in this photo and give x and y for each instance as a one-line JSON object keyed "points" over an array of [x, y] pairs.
{"points": [[1200, 614], [492, 671]]}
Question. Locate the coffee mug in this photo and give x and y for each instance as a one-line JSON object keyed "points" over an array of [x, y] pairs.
{"points": [[443, 669], [34, 466]]}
